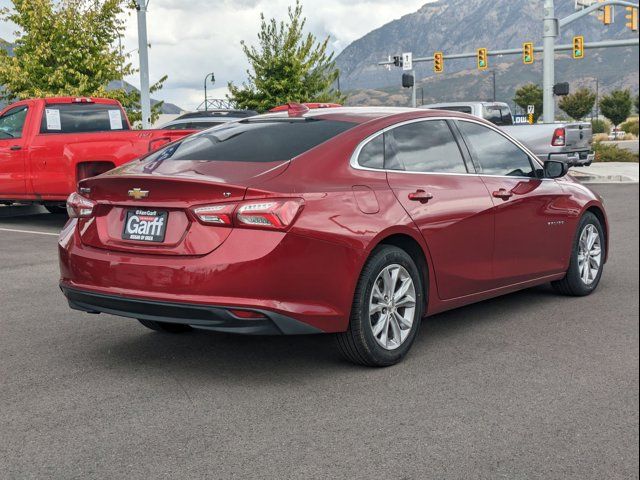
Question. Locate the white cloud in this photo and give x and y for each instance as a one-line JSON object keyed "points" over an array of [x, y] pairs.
{"points": [[191, 38]]}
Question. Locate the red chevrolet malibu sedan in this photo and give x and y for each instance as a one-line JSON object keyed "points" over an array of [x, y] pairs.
{"points": [[352, 221]]}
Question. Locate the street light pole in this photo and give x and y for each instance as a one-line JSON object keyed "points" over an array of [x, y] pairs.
{"points": [[206, 98], [145, 99]]}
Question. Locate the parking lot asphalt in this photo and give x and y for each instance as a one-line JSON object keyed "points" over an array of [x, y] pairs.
{"points": [[530, 385]]}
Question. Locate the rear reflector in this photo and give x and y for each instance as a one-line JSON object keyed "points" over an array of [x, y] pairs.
{"points": [[79, 206], [247, 314]]}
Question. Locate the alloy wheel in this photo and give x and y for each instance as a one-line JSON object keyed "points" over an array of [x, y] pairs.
{"points": [[589, 254], [392, 306]]}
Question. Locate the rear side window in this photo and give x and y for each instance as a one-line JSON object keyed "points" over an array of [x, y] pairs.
{"points": [[494, 153], [428, 147], [497, 115], [255, 141], [372, 154], [82, 118]]}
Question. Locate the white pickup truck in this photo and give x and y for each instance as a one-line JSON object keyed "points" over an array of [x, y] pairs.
{"points": [[570, 142]]}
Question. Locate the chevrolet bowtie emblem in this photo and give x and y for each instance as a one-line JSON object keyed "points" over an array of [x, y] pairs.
{"points": [[138, 194]]}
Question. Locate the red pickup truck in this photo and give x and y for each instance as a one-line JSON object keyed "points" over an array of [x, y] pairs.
{"points": [[48, 145]]}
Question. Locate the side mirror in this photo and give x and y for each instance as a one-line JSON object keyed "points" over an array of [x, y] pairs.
{"points": [[555, 169]]}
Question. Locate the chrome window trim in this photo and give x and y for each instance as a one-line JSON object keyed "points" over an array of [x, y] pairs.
{"points": [[353, 161]]}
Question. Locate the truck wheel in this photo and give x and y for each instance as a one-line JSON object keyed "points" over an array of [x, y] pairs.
{"points": [[166, 327], [56, 209]]}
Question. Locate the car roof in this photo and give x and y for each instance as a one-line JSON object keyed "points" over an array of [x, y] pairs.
{"points": [[362, 115], [217, 113], [461, 104]]}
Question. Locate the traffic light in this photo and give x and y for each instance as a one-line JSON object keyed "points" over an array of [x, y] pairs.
{"points": [[483, 59], [632, 16], [527, 53], [578, 47], [438, 62], [397, 61], [606, 14]]}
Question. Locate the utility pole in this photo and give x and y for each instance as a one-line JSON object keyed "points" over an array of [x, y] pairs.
{"points": [[145, 100], [414, 102], [494, 84]]}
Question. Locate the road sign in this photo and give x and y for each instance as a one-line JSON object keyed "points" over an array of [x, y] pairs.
{"points": [[407, 61], [520, 119], [531, 109], [531, 119]]}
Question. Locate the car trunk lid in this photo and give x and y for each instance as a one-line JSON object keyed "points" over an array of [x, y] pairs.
{"points": [[146, 208]]}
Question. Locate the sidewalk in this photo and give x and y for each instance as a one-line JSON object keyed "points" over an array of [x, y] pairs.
{"points": [[607, 172]]}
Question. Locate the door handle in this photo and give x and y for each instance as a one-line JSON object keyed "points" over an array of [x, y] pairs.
{"points": [[420, 196], [15, 147], [503, 194]]}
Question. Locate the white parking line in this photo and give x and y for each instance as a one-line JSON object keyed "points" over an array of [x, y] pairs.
{"points": [[28, 231]]}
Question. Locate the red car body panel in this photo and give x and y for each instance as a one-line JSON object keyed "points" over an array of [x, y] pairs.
{"points": [[46, 166], [475, 246]]}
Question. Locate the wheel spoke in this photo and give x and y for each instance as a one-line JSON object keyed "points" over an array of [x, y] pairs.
{"points": [[403, 289], [377, 328], [395, 329], [403, 322], [407, 302]]}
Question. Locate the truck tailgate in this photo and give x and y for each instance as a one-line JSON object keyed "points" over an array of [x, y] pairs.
{"points": [[579, 136]]}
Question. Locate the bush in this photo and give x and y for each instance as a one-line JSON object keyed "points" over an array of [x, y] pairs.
{"points": [[630, 127], [600, 126], [611, 153]]}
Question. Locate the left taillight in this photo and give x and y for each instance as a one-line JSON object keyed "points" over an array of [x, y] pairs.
{"points": [[559, 137], [79, 206], [270, 214]]}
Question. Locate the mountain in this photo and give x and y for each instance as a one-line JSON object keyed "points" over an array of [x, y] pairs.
{"points": [[168, 108], [457, 26]]}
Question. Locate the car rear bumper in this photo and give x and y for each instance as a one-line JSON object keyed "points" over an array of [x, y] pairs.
{"points": [[285, 275], [200, 316]]}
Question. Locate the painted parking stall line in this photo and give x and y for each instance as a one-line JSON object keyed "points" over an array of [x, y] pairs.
{"points": [[32, 232]]}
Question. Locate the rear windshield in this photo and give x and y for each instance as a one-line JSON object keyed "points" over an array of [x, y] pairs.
{"points": [[82, 118], [255, 141]]}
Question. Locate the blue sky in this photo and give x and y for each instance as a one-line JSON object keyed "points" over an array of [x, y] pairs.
{"points": [[194, 37]]}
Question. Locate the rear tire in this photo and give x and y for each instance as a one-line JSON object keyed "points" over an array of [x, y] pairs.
{"points": [[387, 310], [166, 327], [589, 251]]}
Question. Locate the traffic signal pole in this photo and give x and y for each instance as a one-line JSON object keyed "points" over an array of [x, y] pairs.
{"points": [[551, 31]]}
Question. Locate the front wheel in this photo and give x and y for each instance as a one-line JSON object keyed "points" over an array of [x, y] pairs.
{"points": [[387, 310], [587, 259]]}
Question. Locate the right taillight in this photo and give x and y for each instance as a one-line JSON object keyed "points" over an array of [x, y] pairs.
{"points": [[271, 214], [79, 206], [559, 137]]}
